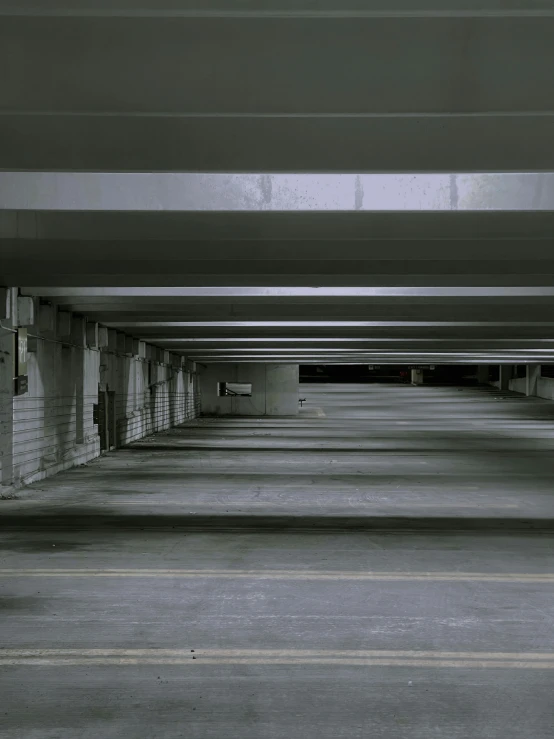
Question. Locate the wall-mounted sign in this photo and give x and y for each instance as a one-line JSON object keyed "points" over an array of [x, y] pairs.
{"points": [[22, 351]]}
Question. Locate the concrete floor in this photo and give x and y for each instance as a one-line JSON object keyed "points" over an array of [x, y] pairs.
{"points": [[381, 566]]}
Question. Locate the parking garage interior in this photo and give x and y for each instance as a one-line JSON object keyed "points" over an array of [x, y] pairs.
{"points": [[276, 369]]}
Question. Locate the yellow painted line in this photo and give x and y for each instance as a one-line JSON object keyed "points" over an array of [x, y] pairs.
{"points": [[484, 506], [289, 575], [371, 658], [483, 664], [273, 653]]}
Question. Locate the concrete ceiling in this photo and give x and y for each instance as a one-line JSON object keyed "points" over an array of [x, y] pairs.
{"points": [[277, 85], [343, 180]]}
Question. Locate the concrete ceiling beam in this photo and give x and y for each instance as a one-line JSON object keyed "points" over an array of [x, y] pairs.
{"points": [[277, 272], [535, 335], [383, 255], [378, 269], [369, 358], [407, 143], [256, 226], [317, 348], [143, 313], [286, 8], [177, 326], [382, 305], [492, 284], [426, 64]]}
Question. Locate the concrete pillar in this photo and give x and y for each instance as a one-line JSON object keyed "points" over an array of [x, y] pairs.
{"points": [[506, 374], [78, 340], [27, 317], [417, 377], [25, 311], [47, 319], [5, 303], [64, 325], [102, 337], [92, 335], [112, 340], [532, 374], [7, 371], [120, 342], [131, 346], [483, 374]]}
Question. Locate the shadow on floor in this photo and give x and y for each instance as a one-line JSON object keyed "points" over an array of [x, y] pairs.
{"points": [[89, 518]]}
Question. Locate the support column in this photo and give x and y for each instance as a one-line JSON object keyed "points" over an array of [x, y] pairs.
{"points": [[7, 371], [417, 377], [532, 374], [77, 326], [483, 374], [506, 373]]}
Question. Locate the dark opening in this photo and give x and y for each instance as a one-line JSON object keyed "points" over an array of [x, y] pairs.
{"points": [[234, 389]]}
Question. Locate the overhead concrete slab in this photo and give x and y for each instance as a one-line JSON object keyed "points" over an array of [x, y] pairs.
{"points": [[503, 142], [430, 86], [128, 65], [399, 255], [255, 226], [294, 8]]}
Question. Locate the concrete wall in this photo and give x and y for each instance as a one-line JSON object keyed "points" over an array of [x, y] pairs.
{"points": [[545, 388], [282, 385], [7, 359], [52, 423], [532, 385], [518, 385], [151, 394], [51, 427], [274, 389]]}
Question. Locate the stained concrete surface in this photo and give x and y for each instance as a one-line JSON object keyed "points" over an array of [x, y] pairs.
{"points": [[380, 566]]}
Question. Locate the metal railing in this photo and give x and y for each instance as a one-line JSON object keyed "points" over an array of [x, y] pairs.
{"points": [[48, 430]]}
